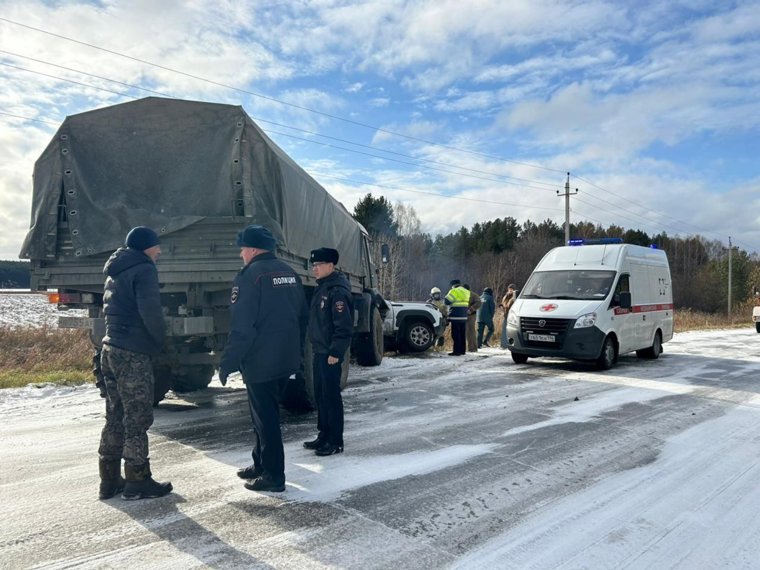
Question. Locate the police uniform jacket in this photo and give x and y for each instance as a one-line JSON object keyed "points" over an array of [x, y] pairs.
{"points": [[331, 321], [268, 316], [132, 303], [458, 300]]}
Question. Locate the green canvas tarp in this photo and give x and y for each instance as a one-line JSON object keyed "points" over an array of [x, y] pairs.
{"points": [[167, 164]]}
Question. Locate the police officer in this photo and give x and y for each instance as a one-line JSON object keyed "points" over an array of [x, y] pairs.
{"points": [[135, 331], [330, 329], [458, 300], [268, 316]]}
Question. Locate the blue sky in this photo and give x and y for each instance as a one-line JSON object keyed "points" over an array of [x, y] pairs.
{"points": [[464, 110]]}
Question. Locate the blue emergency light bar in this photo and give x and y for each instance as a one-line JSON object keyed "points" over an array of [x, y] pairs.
{"points": [[594, 241]]}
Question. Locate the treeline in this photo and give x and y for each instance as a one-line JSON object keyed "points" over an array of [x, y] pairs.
{"points": [[14, 274], [502, 251]]}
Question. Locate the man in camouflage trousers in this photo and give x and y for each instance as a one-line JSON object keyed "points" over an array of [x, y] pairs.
{"points": [[135, 331]]}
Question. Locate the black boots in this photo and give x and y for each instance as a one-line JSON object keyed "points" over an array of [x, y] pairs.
{"points": [[329, 449], [140, 484], [265, 483], [250, 472], [111, 481], [314, 443]]}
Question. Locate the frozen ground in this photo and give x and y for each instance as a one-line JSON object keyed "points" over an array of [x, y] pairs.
{"points": [[462, 463]]}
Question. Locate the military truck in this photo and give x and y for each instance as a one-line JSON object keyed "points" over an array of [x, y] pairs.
{"points": [[197, 173]]}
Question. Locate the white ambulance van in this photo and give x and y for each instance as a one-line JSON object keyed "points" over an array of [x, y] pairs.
{"points": [[594, 300]]}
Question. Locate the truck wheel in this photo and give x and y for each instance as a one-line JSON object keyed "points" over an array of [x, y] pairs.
{"points": [[519, 358], [299, 393], [654, 351], [161, 383], [757, 327], [344, 369], [418, 336], [191, 378], [608, 356], [370, 347]]}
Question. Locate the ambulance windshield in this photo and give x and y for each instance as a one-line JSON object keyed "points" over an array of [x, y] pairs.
{"points": [[569, 284]]}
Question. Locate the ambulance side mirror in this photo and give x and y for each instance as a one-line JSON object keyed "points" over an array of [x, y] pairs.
{"points": [[625, 299]]}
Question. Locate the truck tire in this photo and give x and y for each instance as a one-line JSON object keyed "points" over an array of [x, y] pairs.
{"points": [[191, 378], [417, 336], [161, 383], [654, 351], [299, 393], [757, 327], [519, 357], [608, 355], [369, 347], [344, 366]]}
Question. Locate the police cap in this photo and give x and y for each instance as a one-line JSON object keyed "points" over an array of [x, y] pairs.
{"points": [[324, 255]]}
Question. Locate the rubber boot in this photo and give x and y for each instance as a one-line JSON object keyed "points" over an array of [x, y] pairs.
{"points": [[111, 481], [140, 484]]}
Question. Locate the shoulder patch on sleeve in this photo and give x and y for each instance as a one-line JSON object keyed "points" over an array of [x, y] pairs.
{"points": [[235, 294], [340, 306]]}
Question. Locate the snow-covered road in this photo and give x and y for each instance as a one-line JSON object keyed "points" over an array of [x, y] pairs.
{"points": [[466, 463]]}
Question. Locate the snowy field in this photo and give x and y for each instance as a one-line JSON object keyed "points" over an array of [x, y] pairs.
{"points": [[23, 309], [450, 463]]}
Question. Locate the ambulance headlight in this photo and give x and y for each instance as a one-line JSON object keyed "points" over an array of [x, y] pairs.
{"points": [[513, 319], [584, 321]]}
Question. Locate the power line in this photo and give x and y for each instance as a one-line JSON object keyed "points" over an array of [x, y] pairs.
{"points": [[285, 103], [272, 99], [410, 163], [493, 179], [552, 185], [662, 215], [30, 119], [68, 80], [436, 194], [82, 73], [275, 100]]}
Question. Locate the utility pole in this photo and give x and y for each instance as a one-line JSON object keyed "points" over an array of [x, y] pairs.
{"points": [[567, 206], [730, 274]]}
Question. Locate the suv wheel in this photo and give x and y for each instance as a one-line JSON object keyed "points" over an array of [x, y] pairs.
{"points": [[418, 336]]}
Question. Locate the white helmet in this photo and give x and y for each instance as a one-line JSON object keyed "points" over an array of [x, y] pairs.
{"points": [[435, 290]]}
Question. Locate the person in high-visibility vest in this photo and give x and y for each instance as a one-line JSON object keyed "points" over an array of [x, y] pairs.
{"points": [[458, 300]]}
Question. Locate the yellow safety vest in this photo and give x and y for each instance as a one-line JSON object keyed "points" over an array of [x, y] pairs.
{"points": [[459, 300]]}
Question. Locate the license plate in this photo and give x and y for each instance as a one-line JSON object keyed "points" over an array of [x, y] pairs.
{"points": [[541, 337]]}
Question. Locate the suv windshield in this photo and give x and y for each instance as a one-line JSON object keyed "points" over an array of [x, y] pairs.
{"points": [[568, 284]]}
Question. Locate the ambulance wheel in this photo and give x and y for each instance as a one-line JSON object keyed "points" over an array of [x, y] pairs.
{"points": [[654, 351], [519, 358], [608, 356]]}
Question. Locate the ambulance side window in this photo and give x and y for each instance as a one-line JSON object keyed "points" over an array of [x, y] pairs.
{"points": [[622, 286]]}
